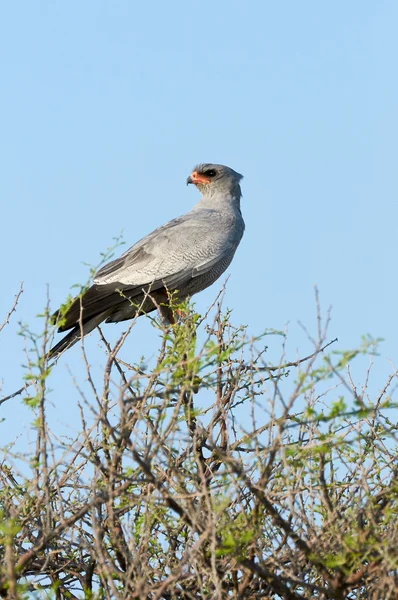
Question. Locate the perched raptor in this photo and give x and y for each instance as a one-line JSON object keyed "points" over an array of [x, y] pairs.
{"points": [[185, 255]]}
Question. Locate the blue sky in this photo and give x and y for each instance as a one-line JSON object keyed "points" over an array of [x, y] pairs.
{"points": [[105, 108]]}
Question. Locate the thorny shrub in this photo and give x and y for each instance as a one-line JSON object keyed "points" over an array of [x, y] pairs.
{"points": [[210, 474]]}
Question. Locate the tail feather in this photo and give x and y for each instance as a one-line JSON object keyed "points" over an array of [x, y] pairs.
{"points": [[76, 334]]}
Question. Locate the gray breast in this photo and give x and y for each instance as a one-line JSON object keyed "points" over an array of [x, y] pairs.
{"points": [[197, 284]]}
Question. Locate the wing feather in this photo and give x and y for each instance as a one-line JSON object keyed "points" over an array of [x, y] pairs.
{"points": [[170, 257], [183, 248]]}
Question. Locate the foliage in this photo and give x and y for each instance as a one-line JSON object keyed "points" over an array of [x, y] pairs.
{"points": [[211, 474]]}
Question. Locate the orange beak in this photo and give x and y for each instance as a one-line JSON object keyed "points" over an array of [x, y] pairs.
{"points": [[196, 178]]}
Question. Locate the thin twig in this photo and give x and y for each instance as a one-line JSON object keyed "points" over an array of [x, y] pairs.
{"points": [[13, 308]]}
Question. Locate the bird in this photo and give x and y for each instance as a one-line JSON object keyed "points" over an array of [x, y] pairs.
{"points": [[182, 257]]}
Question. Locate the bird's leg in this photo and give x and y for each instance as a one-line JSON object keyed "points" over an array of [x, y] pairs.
{"points": [[164, 309], [169, 315]]}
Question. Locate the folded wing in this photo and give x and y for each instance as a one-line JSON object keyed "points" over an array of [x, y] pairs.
{"points": [[168, 258]]}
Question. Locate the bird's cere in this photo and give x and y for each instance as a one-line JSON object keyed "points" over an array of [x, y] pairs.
{"points": [[196, 178]]}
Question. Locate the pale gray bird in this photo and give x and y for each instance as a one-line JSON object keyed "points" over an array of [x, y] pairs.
{"points": [[185, 255]]}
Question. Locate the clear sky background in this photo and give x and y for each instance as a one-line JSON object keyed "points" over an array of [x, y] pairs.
{"points": [[105, 108]]}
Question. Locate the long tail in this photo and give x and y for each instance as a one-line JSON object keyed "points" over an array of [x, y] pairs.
{"points": [[75, 335]]}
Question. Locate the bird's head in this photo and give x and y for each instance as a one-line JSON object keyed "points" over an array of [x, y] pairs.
{"points": [[211, 179]]}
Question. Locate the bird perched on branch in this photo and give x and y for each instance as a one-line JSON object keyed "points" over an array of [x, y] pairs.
{"points": [[184, 256]]}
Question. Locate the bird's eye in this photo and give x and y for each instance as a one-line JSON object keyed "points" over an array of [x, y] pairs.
{"points": [[210, 173]]}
